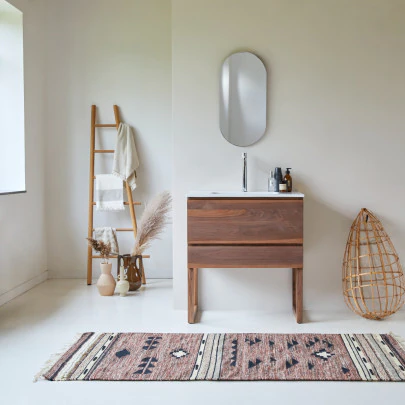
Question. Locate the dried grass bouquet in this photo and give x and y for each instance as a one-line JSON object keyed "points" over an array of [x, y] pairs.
{"points": [[153, 221], [103, 248]]}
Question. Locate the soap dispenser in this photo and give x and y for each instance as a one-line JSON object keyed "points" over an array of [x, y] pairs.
{"points": [[288, 180]]}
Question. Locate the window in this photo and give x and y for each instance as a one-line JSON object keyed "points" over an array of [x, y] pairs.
{"points": [[12, 153]]}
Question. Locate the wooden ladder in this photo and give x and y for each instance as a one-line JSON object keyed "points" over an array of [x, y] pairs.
{"points": [[92, 203]]}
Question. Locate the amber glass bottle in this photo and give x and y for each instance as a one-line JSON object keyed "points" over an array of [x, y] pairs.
{"points": [[283, 186], [288, 180]]}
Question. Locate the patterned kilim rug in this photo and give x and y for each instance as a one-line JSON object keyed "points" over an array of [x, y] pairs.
{"points": [[229, 356]]}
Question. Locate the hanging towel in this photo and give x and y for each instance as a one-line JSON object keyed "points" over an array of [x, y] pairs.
{"points": [[125, 156], [109, 193], [107, 235]]}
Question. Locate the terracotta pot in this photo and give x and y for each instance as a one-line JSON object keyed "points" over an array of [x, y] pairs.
{"points": [[132, 267], [106, 282]]}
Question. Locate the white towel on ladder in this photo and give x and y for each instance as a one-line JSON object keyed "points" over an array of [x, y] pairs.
{"points": [[109, 193], [125, 157], [107, 235]]}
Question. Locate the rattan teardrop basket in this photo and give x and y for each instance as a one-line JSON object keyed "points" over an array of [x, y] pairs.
{"points": [[373, 280]]}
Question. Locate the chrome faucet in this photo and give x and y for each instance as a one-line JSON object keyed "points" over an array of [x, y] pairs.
{"points": [[244, 176]]}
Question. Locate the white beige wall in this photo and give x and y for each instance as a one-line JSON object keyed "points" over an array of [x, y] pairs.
{"points": [[22, 216], [105, 52], [336, 100], [336, 116]]}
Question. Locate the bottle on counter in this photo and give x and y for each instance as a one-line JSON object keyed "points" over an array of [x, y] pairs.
{"points": [[288, 180], [271, 185], [283, 186], [278, 175]]}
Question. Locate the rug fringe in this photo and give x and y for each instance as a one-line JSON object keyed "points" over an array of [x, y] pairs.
{"points": [[55, 357], [399, 339]]}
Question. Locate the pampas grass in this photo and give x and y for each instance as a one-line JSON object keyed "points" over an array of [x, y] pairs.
{"points": [[153, 221]]}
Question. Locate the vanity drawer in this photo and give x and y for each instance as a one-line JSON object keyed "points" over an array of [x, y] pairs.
{"points": [[244, 220], [245, 256]]}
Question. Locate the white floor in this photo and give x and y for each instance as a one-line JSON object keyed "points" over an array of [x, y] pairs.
{"points": [[40, 322]]}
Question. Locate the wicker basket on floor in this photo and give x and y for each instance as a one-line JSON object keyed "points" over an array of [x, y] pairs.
{"points": [[373, 280]]}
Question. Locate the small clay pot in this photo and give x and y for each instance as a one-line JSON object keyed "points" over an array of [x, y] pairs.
{"points": [[122, 284]]}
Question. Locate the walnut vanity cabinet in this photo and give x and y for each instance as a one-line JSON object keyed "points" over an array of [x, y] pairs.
{"points": [[245, 232]]}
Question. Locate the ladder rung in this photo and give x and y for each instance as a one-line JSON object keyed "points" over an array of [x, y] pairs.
{"points": [[115, 256], [104, 151], [122, 229], [94, 178], [105, 126], [127, 203]]}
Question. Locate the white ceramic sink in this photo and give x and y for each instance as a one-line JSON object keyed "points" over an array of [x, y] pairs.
{"points": [[239, 194]]}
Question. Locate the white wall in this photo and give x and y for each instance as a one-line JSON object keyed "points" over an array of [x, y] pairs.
{"points": [[12, 161], [336, 105], [22, 216], [104, 53], [336, 100]]}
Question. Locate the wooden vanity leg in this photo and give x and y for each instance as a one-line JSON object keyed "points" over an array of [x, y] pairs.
{"points": [[293, 290], [192, 294], [297, 292]]}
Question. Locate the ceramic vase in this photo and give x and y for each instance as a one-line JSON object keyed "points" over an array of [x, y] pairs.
{"points": [[106, 282], [132, 264], [123, 284]]}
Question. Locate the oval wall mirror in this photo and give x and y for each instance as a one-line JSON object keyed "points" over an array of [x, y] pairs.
{"points": [[243, 99]]}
